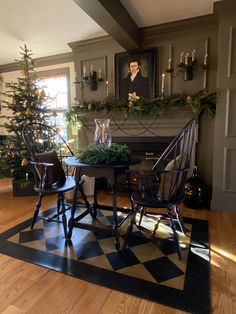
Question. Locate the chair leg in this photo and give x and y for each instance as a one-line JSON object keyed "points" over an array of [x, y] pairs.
{"points": [[85, 199], [130, 226], [156, 226], [36, 211], [142, 213], [58, 204], [63, 211], [173, 227], [179, 218]]}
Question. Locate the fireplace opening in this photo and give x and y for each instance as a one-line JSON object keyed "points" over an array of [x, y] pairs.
{"points": [[145, 148]]}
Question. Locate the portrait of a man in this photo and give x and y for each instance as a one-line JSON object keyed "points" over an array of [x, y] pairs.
{"points": [[135, 75], [135, 85]]}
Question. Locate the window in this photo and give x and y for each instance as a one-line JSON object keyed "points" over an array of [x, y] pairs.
{"points": [[56, 86]]}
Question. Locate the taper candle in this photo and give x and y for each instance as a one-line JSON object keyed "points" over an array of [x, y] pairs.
{"points": [[193, 55], [99, 73], [162, 83], [205, 59], [107, 89], [84, 71], [186, 58]]}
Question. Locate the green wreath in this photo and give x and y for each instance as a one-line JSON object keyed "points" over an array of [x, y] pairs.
{"points": [[95, 154]]}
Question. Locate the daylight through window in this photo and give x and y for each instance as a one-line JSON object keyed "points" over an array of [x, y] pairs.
{"points": [[55, 86]]}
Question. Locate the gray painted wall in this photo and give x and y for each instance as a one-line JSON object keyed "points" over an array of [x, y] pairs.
{"points": [[184, 37]]}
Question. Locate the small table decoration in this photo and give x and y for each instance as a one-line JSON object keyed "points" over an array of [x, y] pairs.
{"points": [[102, 133], [95, 154]]}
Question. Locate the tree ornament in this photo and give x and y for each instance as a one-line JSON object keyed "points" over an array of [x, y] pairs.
{"points": [[24, 162], [28, 112], [90, 107], [42, 93], [24, 71]]}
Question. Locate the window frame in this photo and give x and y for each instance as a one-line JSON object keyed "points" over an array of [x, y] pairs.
{"points": [[59, 71]]}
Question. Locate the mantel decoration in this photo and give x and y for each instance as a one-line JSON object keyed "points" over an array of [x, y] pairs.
{"points": [[201, 103]]}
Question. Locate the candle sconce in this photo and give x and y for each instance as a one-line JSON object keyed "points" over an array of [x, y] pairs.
{"points": [[186, 67], [90, 80]]}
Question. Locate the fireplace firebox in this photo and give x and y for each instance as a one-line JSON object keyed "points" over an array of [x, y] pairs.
{"points": [[146, 148]]}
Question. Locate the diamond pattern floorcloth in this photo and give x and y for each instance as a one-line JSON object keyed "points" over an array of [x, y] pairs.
{"points": [[149, 268]]}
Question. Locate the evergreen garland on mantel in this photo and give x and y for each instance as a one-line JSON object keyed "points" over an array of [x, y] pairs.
{"points": [[202, 103]]}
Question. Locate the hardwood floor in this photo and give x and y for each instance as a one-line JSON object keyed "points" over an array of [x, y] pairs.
{"points": [[27, 288]]}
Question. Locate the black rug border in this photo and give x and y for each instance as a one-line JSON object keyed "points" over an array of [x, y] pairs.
{"points": [[195, 298]]}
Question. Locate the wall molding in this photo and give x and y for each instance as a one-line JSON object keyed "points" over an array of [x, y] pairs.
{"points": [[165, 29], [41, 62], [224, 7], [228, 182]]}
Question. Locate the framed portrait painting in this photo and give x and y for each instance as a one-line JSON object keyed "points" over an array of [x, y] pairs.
{"points": [[135, 74]]}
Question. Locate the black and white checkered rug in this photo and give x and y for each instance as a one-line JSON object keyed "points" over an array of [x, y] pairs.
{"points": [[148, 268]]}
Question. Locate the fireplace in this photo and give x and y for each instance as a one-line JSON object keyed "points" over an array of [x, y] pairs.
{"points": [[145, 148], [146, 138]]}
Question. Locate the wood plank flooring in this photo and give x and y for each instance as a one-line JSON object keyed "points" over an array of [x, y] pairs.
{"points": [[27, 288]]}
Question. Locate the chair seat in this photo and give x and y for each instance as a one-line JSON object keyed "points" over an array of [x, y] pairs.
{"points": [[57, 188], [137, 198]]}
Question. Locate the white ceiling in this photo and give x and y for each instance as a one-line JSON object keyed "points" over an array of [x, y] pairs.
{"points": [[153, 12], [46, 26]]}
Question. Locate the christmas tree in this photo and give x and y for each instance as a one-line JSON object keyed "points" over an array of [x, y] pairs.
{"points": [[27, 103]]}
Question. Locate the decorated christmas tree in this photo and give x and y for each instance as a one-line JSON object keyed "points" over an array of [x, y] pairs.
{"points": [[26, 103]]}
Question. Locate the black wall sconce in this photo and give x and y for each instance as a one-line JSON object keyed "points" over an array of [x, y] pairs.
{"points": [[186, 65], [92, 79]]}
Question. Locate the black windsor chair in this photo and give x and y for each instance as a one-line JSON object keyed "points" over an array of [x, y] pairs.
{"points": [[47, 149], [163, 185]]}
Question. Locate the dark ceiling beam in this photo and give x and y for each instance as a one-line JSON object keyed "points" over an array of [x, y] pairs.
{"points": [[114, 19]]}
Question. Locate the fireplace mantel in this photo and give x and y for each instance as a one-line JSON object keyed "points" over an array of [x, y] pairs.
{"points": [[168, 123]]}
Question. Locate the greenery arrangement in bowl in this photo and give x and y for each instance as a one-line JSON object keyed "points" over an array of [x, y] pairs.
{"points": [[95, 154]]}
